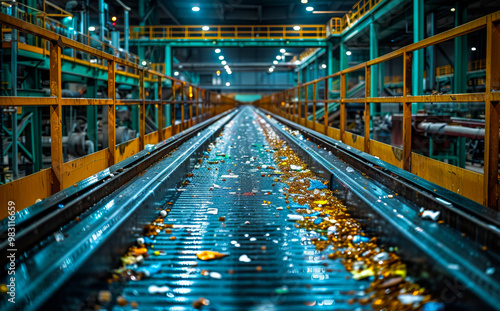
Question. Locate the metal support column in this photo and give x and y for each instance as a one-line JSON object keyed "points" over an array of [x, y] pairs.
{"points": [[13, 85], [407, 110], [111, 113], [142, 111], [430, 55], [343, 56], [418, 56], [460, 68], [126, 31], [56, 151], [329, 59], [92, 113], [161, 115], [101, 20], [491, 137]]}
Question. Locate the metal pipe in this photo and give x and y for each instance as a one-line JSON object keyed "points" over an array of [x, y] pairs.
{"points": [[452, 130]]}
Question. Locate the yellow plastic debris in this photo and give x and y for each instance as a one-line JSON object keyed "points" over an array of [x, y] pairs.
{"points": [[209, 255], [321, 202]]}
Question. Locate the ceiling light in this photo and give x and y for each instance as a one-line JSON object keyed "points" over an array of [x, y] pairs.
{"points": [[221, 57], [223, 62], [71, 17], [473, 48], [91, 28], [348, 53], [217, 51], [297, 62], [275, 62], [228, 84], [452, 9], [229, 72], [296, 28], [195, 9], [309, 9], [226, 67], [218, 72], [176, 73], [205, 28], [144, 63], [278, 57], [323, 66], [303, 1], [113, 18], [282, 51], [271, 69]]}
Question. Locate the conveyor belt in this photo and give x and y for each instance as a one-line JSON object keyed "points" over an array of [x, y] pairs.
{"points": [[285, 270]]}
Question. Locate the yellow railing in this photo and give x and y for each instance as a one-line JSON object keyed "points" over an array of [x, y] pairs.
{"points": [[482, 188], [200, 103], [228, 32], [474, 65]]}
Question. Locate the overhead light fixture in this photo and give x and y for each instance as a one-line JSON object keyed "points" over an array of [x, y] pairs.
{"points": [[303, 1], [228, 84], [144, 63], [297, 62], [348, 53], [226, 67], [217, 51], [71, 17], [221, 57], [218, 72], [271, 69], [296, 28], [323, 66], [275, 62], [195, 9], [309, 9], [113, 18], [91, 28], [473, 49], [229, 72], [205, 28], [282, 51], [278, 57], [223, 62], [452, 9], [176, 73]]}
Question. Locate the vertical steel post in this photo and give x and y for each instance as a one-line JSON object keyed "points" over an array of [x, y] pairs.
{"points": [[326, 114], [460, 68], [343, 87], [367, 114], [418, 56], [56, 145], [111, 112], [126, 30], [161, 115], [142, 111], [101, 20], [183, 104], [174, 130], [314, 106], [492, 110], [13, 86], [407, 113]]}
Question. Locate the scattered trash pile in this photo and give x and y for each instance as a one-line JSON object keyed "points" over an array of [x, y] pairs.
{"points": [[315, 208]]}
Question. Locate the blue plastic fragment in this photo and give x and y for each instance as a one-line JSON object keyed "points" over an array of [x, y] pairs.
{"points": [[298, 206], [324, 238], [317, 221], [60, 206], [316, 184], [359, 239], [313, 214], [433, 306], [148, 240], [150, 270], [205, 153]]}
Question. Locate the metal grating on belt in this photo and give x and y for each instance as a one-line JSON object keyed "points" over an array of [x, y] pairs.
{"points": [[271, 265]]}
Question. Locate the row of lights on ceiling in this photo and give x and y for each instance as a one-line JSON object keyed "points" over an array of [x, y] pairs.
{"points": [[224, 63], [309, 8], [278, 57]]}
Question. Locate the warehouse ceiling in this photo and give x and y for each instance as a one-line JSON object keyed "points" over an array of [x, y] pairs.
{"points": [[230, 12]]}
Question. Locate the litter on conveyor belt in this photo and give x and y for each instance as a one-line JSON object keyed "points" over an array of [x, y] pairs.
{"points": [[253, 229]]}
